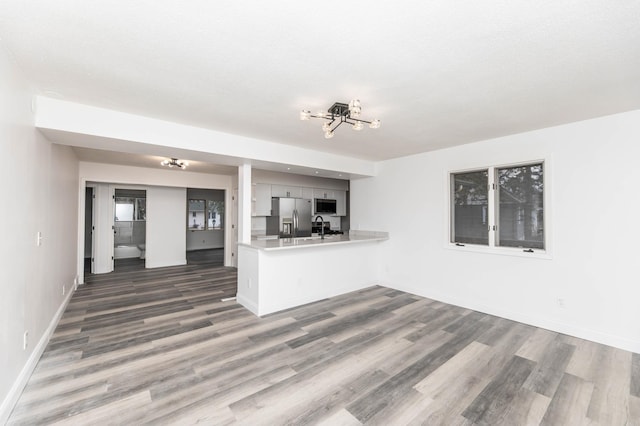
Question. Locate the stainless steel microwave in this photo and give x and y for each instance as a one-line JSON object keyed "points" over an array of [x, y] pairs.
{"points": [[323, 205]]}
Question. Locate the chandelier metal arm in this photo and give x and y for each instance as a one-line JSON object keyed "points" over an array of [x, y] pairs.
{"points": [[339, 123], [357, 119], [343, 119]]}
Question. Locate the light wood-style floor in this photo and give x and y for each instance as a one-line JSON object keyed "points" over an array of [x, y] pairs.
{"points": [[160, 347]]}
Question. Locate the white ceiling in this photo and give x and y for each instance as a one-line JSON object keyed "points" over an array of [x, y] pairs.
{"points": [[436, 73]]}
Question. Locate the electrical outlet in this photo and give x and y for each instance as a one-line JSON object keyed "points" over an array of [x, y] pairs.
{"points": [[25, 340], [249, 283], [561, 302], [39, 239], [63, 289]]}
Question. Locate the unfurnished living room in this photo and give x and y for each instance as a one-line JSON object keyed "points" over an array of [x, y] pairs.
{"points": [[335, 213]]}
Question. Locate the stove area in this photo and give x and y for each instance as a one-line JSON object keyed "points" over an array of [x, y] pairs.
{"points": [[317, 229]]}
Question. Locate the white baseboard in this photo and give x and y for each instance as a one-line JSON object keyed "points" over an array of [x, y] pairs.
{"points": [[18, 386], [177, 262]]}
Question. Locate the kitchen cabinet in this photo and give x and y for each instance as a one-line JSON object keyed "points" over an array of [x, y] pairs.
{"points": [[285, 191], [260, 199], [307, 193], [327, 194]]}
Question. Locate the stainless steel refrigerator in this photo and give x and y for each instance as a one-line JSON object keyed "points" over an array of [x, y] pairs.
{"points": [[290, 217]]}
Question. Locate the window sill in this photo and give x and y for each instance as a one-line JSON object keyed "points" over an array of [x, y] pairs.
{"points": [[501, 251]]}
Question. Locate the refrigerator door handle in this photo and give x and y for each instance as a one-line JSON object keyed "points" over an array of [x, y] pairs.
{"points": [[295, 222]]}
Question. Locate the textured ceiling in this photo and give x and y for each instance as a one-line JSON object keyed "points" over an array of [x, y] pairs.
{"points": [[437, 73]]}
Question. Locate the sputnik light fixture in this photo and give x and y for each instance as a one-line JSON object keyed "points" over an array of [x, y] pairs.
{"points": [[174, 162], [340, 113]]}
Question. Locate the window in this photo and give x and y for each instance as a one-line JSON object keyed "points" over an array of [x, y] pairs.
{"points": [[130, 209], [215, 214], [499, 207], [520, 207], [195, 218], [124, 209], [470, 207], [205, 215]]}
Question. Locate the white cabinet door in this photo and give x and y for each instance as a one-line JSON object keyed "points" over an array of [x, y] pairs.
{"points": [[307, 193], [261, 199], [328, 194], [283, 191]]}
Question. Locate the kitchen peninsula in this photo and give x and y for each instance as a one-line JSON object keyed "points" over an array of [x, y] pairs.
{"points": [[279, 274]]}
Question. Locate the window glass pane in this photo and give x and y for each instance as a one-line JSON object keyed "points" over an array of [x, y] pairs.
{"points": [[520, 207], [124, 209], [470, 207], [215, 211], [196, 216]]}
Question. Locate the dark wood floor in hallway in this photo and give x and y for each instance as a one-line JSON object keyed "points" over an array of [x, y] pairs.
{"points": [[161, 347]]}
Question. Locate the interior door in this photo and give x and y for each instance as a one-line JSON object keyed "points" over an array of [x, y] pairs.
{"points": [[93, 229], [112, 234], [234, 225]]}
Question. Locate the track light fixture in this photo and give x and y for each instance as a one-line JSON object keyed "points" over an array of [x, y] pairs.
{"points": [[174, 162], [340, 113]]}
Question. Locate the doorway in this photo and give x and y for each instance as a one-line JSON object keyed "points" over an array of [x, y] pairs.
{"points": [[129, 229], [88, 230], [205, 224]]}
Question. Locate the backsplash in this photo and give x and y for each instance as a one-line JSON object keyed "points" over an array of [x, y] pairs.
{"points": [[259, 224]]}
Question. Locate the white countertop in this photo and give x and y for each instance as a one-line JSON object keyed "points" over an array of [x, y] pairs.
{"points": [[354, 237]]}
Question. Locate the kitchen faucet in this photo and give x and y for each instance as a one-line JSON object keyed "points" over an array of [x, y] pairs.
{"points": [[315, 221]]}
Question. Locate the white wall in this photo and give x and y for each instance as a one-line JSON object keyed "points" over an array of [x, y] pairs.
{"points": [[201, 240], [593, 174], [166, 230], [39, 194]]}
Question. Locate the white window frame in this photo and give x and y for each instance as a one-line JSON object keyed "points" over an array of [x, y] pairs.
{"points": [[491, 248]]}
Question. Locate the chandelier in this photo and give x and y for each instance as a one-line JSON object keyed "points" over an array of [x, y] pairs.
{"points": [[174, 162], [340, 113]]}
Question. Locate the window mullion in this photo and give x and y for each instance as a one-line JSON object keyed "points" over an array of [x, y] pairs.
{"points": [[492, 200]]}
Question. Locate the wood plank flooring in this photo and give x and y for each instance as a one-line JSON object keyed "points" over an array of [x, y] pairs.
{"points": [[160, 347]]}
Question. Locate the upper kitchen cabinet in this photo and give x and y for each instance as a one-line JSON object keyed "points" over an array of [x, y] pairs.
{"points": [[307, 193], [260, 199], [327, 194], [283, 191]]}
